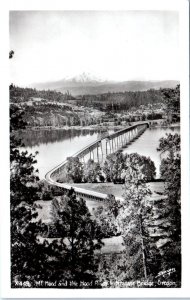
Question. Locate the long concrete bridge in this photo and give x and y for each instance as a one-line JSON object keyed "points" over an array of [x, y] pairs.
{"points": [[97, 151]]}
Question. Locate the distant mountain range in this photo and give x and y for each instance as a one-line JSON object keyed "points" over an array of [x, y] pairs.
{"points": [[87, 84]]}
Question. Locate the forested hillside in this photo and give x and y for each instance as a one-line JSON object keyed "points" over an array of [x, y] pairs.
{"points": [[51, 108], [18, 94], [121, 101]]}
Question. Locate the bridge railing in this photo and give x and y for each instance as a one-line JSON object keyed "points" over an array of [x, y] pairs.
{"points": [[115, 134]]}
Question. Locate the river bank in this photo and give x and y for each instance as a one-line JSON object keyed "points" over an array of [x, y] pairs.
{"points": [[102, 127], [78, 127]]}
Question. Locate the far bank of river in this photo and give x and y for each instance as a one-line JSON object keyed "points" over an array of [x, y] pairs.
{"points": [[103, 127]]}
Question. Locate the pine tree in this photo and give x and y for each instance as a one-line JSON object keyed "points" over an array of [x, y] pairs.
{"points": [[26, 252], [27, 255], [170, 170], [135, 213], [80, 238]]}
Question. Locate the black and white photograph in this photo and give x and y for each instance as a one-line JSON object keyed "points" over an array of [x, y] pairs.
{"points": [[95, 149]]}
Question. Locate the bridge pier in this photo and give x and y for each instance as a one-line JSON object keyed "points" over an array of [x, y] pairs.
{"points": [[102, 151], [111, 143], [115, 140], [99, 149], [97, 153]]}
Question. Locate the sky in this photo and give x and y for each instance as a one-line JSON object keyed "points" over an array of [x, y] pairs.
{"points": [[111, 45]]}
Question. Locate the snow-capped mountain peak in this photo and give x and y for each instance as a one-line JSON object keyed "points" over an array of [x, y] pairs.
{"points": [[85, 77]]}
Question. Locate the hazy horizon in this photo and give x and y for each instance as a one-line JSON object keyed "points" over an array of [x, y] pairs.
{"points": [[35, 84]]}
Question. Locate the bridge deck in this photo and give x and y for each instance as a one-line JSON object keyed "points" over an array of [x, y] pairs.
{"points": [[80, 191]]}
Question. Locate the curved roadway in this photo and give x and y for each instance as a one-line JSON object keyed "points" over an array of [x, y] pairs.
{"points": [[88, 194]]}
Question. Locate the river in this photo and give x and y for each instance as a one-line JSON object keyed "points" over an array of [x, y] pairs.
{"points": [[54, 146], [148, 143]]}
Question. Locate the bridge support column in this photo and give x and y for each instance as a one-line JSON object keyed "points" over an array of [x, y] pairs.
{"points": [[115, 144], [102, 151], [121, 139], [97, 153], [136, 132], [125, 138], [110, 146], [132, 135]]}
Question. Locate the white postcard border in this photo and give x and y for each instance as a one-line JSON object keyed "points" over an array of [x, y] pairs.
{"points": [[180, 5]]}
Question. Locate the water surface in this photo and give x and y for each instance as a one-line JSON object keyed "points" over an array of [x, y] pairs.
{"points": [[54, 146], [148, 143]]}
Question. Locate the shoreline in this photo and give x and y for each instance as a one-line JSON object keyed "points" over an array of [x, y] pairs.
{"points": [[94, 127]]}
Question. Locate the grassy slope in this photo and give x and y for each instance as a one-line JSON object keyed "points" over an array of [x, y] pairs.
{"points": [[111, 245]]}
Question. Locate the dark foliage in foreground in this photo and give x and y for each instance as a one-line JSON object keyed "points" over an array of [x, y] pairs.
{"points": [[33, 257]]}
